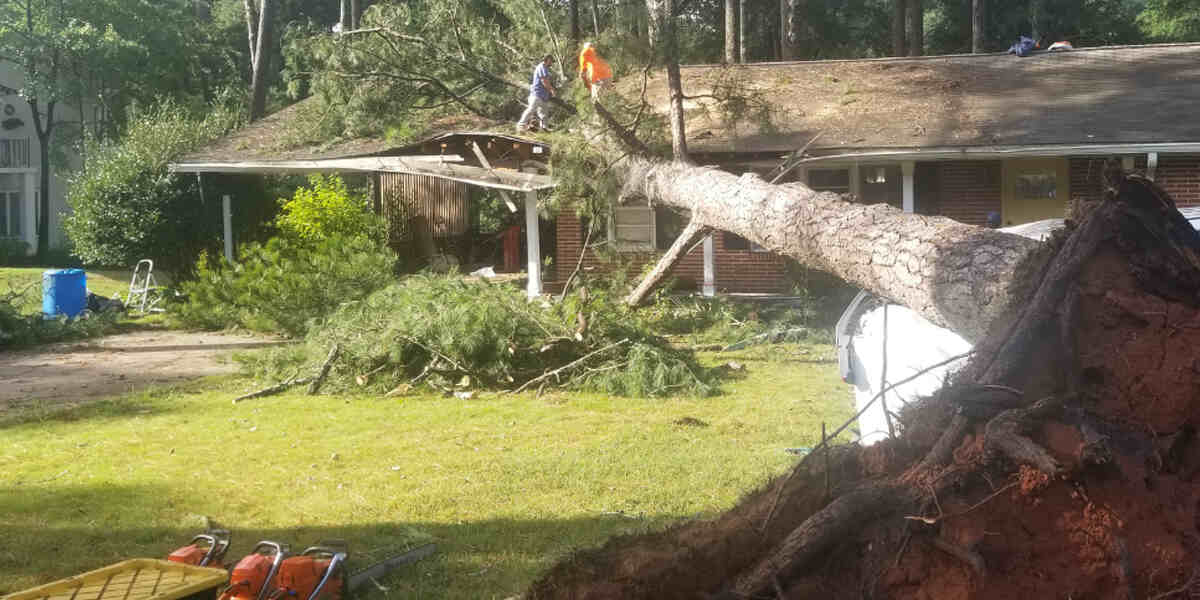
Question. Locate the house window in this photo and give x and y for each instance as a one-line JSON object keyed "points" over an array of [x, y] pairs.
{"points": [[829, 180], [633, 229], [10, 204], [1036, 186]]}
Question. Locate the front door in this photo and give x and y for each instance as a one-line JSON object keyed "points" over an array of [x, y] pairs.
{"points": [[1035, 189]]}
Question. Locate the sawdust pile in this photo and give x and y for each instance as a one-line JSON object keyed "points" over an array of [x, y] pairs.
{"points": [[1063, 462]]}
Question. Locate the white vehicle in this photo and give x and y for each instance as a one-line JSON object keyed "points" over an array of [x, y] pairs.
{"points": [[919, 355]]}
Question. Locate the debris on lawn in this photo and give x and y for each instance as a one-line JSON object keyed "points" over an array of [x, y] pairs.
{"points": [[457, 336]]}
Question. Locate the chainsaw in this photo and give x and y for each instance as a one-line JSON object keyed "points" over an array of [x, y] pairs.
{"points": [[270, 572], [319, 573], [205, 550]]}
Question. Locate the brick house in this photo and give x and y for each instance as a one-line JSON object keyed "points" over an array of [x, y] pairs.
{"points": [[960, 136]]}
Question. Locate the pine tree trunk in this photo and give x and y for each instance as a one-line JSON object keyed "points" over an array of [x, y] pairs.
{"points": [[899, 10], [355, 14], [576, 36], [978, 25], [786, 50], [955, 275], [743, 54], [262, 59], [916, 28], [731, 28]]}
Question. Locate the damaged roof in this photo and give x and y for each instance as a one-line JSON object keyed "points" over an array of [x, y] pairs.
{"points": [[1107, 95]]}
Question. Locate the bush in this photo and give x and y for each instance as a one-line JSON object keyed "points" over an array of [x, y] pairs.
{"points": [[13, 252], [281, 285], [451, 334], [127, 206], [327, 209]]}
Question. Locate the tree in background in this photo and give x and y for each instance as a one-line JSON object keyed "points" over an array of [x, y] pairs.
{"points": [[1170, 20]]}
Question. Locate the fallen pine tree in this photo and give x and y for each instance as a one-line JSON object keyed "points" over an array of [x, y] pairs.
{"points": [[1062, 462]]}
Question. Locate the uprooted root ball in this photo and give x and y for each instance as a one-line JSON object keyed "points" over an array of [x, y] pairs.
{"points": [[1062, 463]]}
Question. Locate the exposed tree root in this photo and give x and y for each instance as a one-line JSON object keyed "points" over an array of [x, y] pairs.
{"points": [[1084, 399]]}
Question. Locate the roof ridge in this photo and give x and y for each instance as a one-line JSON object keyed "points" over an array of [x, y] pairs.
{"points": [[968, 56]]}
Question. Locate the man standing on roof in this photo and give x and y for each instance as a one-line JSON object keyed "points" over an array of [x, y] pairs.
{"points": [[540, 91], [593, 70]]}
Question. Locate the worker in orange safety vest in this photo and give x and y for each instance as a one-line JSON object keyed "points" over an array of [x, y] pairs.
{"points": [[593, 70]]}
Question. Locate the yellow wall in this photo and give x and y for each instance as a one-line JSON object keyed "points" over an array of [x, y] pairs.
{"points": [[1035, 189]]}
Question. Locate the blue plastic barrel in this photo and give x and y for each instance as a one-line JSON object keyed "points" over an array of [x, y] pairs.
{"points": [[64, 292]]}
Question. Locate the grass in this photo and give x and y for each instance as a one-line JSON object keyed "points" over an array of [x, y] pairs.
{"points": [[505, 485], [102, 282]]}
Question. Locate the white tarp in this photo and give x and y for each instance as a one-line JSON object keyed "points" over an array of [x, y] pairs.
{"points": [[913, 344]]}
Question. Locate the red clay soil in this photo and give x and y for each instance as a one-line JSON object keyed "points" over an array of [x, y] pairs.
{"points": [[1119, 519]]}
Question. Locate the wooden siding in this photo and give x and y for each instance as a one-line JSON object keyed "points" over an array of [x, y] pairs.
{"points": [[419, 207]]}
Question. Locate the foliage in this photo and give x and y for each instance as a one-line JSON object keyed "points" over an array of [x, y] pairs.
{"points": [[284, 284], [126, 206], [20, 327], [13, 252], [325, 209], [1170, 20], [449, 333]]}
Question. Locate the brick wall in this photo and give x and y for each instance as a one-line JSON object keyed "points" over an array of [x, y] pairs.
{"points": [[736, 270], [968, 190], [1178, 174]]}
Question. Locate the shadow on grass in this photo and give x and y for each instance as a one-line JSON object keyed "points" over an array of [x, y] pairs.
{"points": [[146, 402], [51, 533]]}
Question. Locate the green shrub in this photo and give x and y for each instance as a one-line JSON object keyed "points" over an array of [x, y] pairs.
{"points": [[452, 334], [327, 208], [13, 252], [126, 205], [281, 285]]}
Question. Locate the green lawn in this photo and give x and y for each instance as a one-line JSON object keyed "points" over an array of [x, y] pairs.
{"points": [[505, 485], [104, 282]]}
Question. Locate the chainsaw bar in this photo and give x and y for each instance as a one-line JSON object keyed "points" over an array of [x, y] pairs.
{"points": [[388, 565]]}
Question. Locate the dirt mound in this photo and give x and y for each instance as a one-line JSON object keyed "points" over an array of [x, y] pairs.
{"points": [[1062, 463]]}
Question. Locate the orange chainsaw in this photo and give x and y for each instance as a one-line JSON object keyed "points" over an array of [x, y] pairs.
{"points": [[205, 550], [319, 573]]}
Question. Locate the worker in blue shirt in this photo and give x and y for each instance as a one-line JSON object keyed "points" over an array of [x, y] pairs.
{"points": [[540, 92]]}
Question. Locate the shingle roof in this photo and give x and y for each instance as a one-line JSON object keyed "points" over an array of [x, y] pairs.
{"points": [[274, 138], [1112, 95]]}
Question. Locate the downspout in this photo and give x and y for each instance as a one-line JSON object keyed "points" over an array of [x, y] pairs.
{"points": [[1151, 164]]}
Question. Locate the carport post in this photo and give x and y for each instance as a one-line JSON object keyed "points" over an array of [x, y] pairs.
{"points": [[710, 271], [227, 211], [909, 200], [534, 287]]}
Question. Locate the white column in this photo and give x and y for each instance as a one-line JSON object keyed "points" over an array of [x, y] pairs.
{"points": [[910, 201], [710, 268], [29, 212], [532, 240], [1151, 165], [227, 211], [855, 181]]}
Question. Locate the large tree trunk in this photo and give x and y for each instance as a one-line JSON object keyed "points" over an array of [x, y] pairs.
{"points": [[262, 59], [978, 25], [355, 14], [916, 28], [1062, 462], [731, 29], [954, 274], [899, 10]]}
